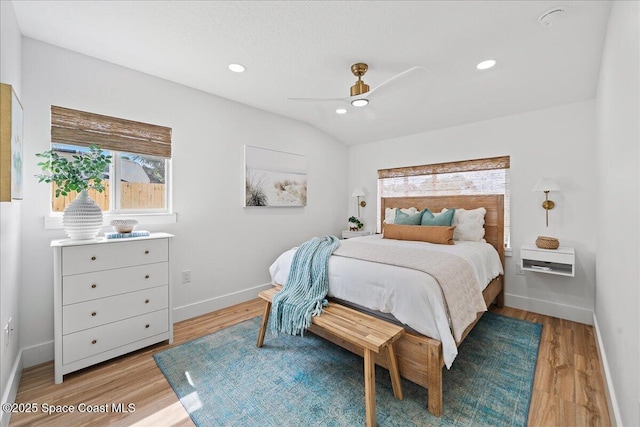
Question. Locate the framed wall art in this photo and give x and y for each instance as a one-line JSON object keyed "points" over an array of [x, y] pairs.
{"points": [[274, 178], [11, 140]]}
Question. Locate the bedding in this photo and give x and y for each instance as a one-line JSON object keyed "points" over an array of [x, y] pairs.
{"points": [[411, 296], [429, 218], [422, 233], [407, 219], [469, 224], [307, 286], [390, 213]]}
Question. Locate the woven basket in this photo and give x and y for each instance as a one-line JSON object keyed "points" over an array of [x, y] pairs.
{"points": [[547, 242]]}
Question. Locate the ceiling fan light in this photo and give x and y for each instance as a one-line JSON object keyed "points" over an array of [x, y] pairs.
{"points": [[360, 102]]}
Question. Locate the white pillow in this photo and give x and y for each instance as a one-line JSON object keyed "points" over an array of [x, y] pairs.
{"points": [[469, 224], [390, 214]]}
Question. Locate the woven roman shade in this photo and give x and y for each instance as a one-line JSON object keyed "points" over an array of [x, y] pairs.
{"points": [[75, 127], [450, 167]]}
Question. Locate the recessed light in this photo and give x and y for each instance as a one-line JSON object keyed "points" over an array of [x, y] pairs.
{"points": [[341, 111], [484, 65], [359, 102], [236, 68], [547, 17]]}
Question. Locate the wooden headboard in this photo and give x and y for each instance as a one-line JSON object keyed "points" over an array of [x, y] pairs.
{"points": [[493, 220]]}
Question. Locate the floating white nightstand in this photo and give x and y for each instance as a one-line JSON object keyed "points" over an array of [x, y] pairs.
{"points": [[346, 234], [561, 261]]}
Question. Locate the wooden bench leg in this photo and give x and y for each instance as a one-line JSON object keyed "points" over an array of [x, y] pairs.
{"points": [[370, 388], [394, 372], [434, 380], [265, 322]]}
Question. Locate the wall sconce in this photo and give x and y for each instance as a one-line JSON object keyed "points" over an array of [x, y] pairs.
{"points": [[545, 185], [358, 192]]}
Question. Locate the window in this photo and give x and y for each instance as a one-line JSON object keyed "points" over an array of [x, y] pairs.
{"points": [[137, 181], [468, 177]]}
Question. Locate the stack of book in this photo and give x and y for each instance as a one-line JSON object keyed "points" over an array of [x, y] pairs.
{"points": [[139, 233]]}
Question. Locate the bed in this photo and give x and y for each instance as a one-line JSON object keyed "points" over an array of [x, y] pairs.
{"points": [[421, 356]]}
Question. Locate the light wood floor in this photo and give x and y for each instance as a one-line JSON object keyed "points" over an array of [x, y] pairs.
{"points": [[568, 387]]}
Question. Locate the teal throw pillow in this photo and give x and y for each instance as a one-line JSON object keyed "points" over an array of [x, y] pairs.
{"points": [[445, 219], [406, 219]]}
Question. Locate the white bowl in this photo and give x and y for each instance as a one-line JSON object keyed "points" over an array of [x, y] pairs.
{"points": [[124, 225]]}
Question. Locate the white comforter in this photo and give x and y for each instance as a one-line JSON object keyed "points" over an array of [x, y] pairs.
{"points": [[411, 296]]}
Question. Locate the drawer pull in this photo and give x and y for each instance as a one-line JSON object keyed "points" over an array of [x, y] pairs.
{"points": [[94, 314], [146, 326], [94, 342], [146, 301], [146, 276], [146, 252], [93, 258], [93, 286]]}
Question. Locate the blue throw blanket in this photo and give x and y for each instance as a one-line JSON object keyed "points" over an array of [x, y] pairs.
{"points": [[303, 296]]}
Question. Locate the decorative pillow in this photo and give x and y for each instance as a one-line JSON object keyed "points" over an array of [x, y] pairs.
{"points": [[469, 224], [426, 233], [407, 219], [390, 213], [429, 218]]}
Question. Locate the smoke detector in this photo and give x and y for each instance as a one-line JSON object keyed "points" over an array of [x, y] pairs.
{"points": [[548, 16]]}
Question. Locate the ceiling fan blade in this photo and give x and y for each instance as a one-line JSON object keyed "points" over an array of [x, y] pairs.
{"points": [[370, 113], [400, 81], [319, 99]]}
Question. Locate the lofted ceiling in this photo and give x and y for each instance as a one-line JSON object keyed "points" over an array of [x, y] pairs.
{"points": [[305, 49]]}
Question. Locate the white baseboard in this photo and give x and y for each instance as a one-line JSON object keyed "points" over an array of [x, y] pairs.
{"points": [[207, 306], [37, 354], [614, 410], [10, 393], [562, 311]]}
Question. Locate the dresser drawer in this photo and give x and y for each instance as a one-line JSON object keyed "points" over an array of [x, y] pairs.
{"points": [[88, 258], [90, 286], [89, 314], [108, 337]]}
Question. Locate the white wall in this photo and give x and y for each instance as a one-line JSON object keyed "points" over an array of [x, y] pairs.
{"points": [[618, 163], [10, 222], [558, 143], [227, 247]]}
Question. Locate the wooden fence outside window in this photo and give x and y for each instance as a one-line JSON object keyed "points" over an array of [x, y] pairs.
{"points": [[134, 195]]}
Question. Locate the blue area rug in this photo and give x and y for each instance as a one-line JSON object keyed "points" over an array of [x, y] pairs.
{"points": [[223, 379]]}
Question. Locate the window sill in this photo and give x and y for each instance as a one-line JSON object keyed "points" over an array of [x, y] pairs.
{"points": [[53, 221]]}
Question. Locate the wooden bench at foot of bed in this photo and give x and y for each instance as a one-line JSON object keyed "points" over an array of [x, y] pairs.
{"points": [[366, 333]]}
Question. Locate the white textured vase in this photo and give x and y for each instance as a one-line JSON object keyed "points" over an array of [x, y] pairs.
{"points": [[82, 219]]}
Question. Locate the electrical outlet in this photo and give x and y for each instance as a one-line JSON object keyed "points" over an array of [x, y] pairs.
{"points": [[519, 270], [186, 276]]}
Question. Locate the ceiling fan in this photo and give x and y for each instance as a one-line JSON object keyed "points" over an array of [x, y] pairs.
{"points": [[360, 93]]}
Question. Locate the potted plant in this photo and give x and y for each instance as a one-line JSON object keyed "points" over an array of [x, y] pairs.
{"points": [[82, 218], [355, 224]]}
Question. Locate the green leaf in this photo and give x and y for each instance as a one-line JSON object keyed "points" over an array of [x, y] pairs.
{"points": [[82, 172]]}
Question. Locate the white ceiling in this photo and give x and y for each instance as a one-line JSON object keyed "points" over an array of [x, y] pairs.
{"points": [[306, 48]]}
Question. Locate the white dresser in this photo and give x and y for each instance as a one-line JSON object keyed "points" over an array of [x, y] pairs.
{"points": [[111, 296]]}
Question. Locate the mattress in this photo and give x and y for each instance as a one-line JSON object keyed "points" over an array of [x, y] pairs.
{"points": [[411, 296]]}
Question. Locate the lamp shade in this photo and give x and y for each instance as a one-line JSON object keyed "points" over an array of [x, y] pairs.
{"points": [[357, 192], [546, 184]]}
